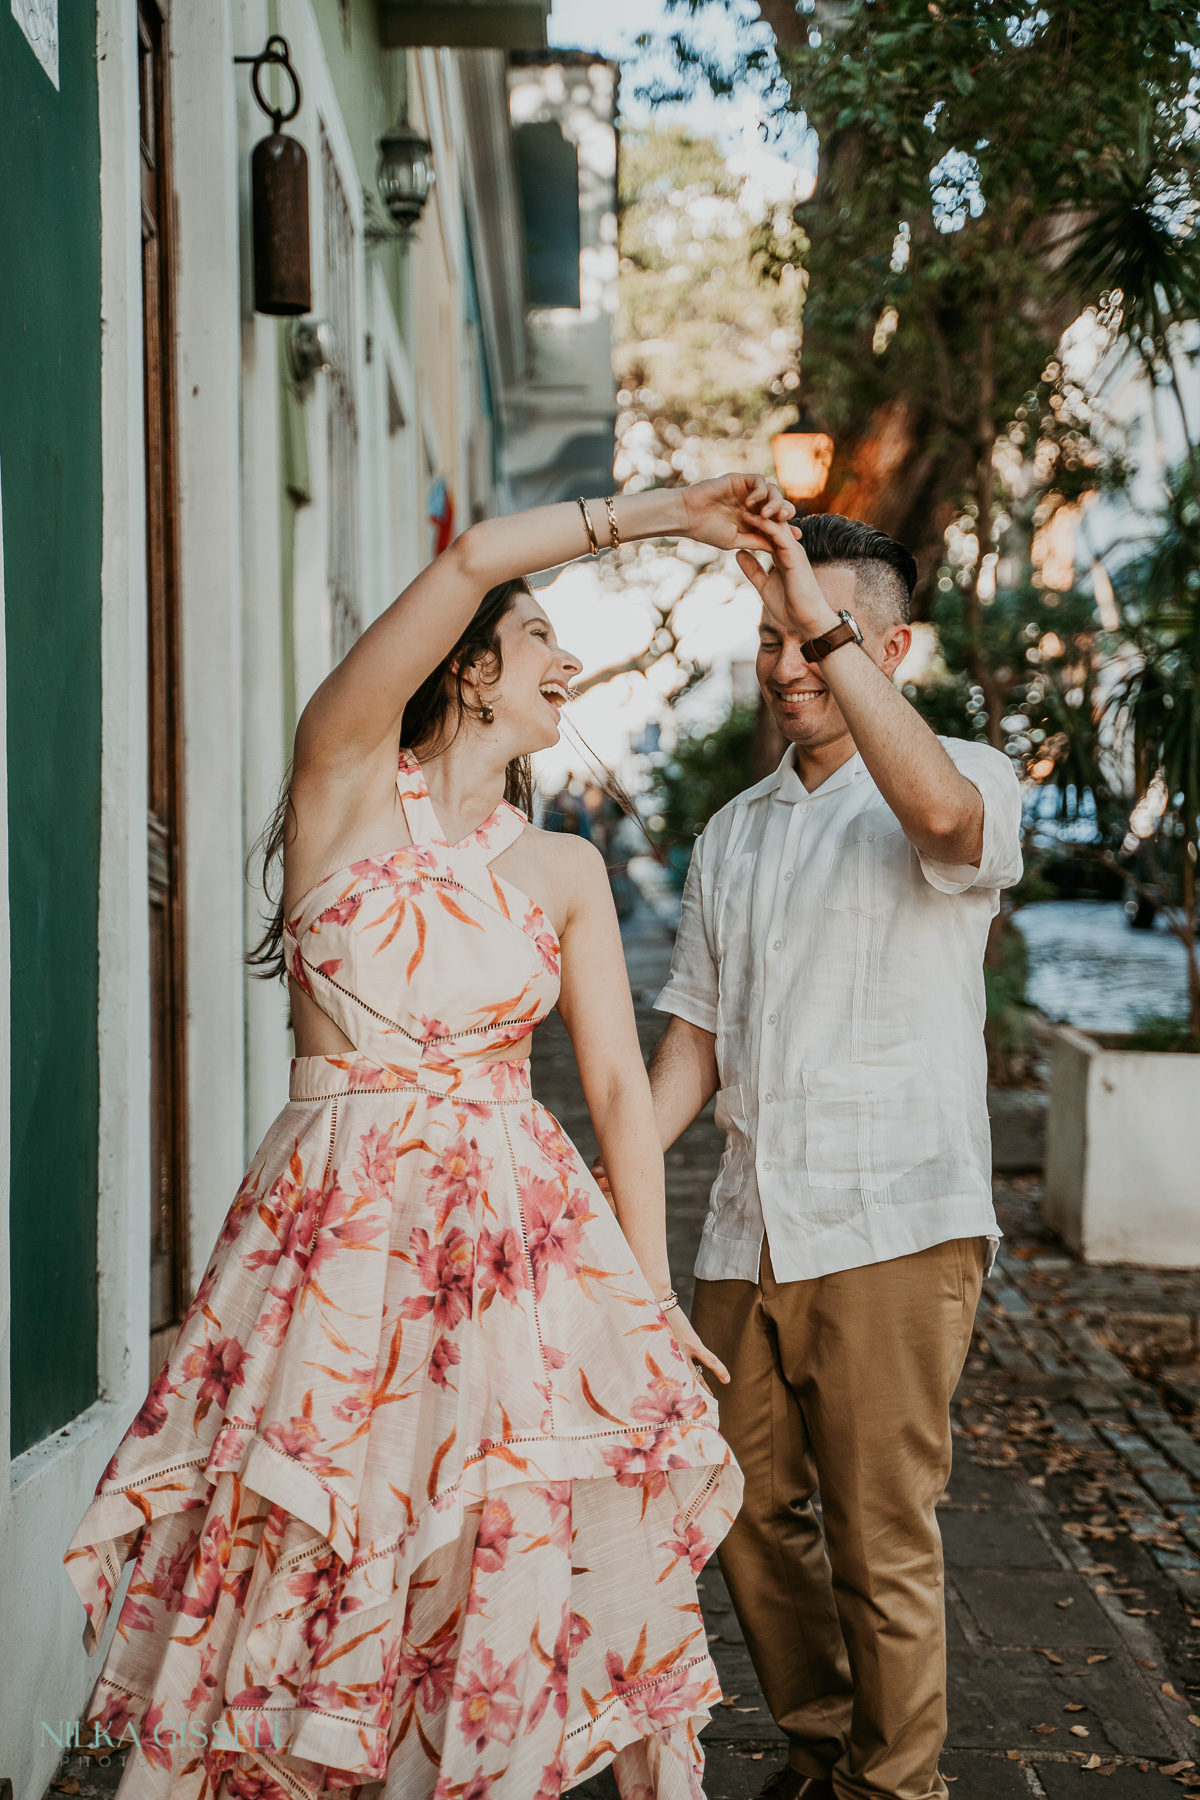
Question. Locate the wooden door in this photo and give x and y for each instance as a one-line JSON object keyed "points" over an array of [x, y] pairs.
{"points": [[168, 1014]]}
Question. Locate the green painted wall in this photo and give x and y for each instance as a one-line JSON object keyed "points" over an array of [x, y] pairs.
{"points": [[50, 471]]}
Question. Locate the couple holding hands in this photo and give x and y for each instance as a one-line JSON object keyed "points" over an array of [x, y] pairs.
{"points": [[417, 1502]]}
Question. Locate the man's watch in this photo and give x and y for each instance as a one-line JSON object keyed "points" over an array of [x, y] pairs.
{"points": [[817, 648]]}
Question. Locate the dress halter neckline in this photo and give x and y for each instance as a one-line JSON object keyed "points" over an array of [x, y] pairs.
{"points": [[499, 830]]}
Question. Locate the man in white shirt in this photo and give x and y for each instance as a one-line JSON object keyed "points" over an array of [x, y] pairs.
{"points": [[827, 986]]}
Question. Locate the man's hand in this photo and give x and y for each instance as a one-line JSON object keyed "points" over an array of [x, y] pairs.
{"points": [[788, 590]]}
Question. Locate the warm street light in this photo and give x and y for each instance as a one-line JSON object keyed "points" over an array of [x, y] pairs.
{"points": [[802, 458], [405, 173]]}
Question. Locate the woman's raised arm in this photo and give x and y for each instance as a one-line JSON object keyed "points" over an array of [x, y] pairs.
{"points": [[355, 714]]}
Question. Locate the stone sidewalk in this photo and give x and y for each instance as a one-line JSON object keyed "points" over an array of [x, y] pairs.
{"points": [[1072, 1519]]}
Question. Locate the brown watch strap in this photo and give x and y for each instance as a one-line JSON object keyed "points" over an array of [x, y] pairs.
{"points": [[816, 649]]}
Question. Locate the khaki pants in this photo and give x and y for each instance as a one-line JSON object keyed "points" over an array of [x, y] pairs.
{"points": [[843, 1383]]}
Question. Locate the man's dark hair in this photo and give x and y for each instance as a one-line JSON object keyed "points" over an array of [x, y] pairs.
{"points": [[888, 585]]}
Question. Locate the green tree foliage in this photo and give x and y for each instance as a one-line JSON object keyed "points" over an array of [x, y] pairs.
{"points": [[1048, 648], [703, 772], [1155, 705], [966, 148], [706, 352]]}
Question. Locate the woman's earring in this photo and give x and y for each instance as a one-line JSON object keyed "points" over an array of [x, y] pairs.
{"points": [[487, 714]]}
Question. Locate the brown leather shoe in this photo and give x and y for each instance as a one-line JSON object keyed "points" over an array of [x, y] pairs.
{"points": [[790, 1784]]}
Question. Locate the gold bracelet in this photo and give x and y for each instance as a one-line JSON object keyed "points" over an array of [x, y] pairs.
{"points": [[670, 1300], [611, 510], [588, 526]]}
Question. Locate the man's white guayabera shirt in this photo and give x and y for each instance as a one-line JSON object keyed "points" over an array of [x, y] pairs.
{"points": [[842, 975]]}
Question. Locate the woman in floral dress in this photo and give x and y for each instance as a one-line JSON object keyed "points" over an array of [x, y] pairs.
{"points": [[420, 1493]]}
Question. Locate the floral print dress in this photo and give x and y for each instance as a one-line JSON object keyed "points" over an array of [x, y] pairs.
{"points": [[419, 1496]]}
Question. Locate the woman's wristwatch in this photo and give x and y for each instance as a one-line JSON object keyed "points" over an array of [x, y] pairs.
{"points": [[817, 648]]}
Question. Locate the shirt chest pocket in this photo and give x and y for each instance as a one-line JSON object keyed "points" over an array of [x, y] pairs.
{"points": [[868, 1123], [872, 862], [732, 893]]}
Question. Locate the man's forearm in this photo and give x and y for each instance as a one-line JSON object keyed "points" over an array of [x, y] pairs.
{"points": [[683, 1077], [940, 810]]}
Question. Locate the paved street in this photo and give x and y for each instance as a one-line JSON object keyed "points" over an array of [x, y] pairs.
{"points": [[1072, 1521]]}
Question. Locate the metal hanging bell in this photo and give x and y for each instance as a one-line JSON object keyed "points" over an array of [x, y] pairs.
{"points": [[279, 200]]}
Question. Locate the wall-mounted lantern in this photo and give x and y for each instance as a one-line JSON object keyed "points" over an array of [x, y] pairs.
{"points": [[405, 174], [803, 455], [279, 199]]}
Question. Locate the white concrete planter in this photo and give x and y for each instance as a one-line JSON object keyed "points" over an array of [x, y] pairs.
{"points": [[1123, 1153]]}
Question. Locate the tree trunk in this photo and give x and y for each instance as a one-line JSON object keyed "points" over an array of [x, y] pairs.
{"points": [[1193, 459], [791, 32], [980, 669]]}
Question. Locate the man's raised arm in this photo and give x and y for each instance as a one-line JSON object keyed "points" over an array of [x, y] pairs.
{"points": [[940, 810]]}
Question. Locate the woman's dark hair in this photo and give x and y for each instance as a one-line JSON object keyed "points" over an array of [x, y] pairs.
{"points": [[431, 721]]}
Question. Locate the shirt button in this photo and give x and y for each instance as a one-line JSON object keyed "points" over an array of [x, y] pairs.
{"points": [[771, 1018], [768, 1165], [787, 874], [879, 1209], [778, 944], [870, 837], [768, 1098]]}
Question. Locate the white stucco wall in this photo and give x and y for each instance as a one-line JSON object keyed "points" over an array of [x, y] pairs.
{"points": [[211, 598]]}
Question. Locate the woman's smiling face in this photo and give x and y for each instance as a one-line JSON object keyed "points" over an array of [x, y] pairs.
{"points": [[534, 678]]}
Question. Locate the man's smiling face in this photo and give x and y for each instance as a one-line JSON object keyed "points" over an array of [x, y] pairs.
{"points": [[796, 691], [800, 702]]}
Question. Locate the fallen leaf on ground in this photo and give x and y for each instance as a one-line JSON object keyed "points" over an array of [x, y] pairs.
{"points": [[1064, 1603], [1045, 1730], [1049, 1656], [1141, 1612], [1037, 1481], [1013, 1755], [745, 1709], [1145, 1663], [1073, 1706], [68, 1785], [1176, 1768], [1093, 1762], [1193, 1719], [714, 1637], [1171, 1694], [729, 1700], [1080, 1731], [1103, 1658], [757, 1755]]}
